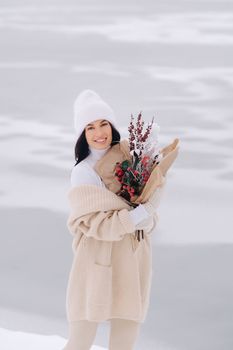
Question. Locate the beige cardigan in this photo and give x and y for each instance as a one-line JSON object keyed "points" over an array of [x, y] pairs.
{"points": [[111, 271]]}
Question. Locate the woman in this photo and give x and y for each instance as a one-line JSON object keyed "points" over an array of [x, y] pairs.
{"points": [[109, 280]]}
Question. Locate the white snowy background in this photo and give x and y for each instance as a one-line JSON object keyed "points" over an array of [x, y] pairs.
{"points": [[170, 59]]}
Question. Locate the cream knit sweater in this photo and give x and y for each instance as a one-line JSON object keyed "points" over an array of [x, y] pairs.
{"points": [[111, 271], [83, 173]]}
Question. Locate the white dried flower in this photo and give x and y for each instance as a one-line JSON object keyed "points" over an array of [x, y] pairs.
{"points": [[154, 132]]}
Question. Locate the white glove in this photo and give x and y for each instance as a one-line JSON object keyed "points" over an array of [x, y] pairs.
{"points": [[142, 219], [147, 225], [144, 216], [139, 214]]}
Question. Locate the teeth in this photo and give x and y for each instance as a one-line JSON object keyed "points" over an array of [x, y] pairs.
{"points": [[100, 140]]}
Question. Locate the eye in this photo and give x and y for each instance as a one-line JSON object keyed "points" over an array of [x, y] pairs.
{"points": [[91, 127]]}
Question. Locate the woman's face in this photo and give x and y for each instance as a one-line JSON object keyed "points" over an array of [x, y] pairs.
{"points": [[99, 134]]}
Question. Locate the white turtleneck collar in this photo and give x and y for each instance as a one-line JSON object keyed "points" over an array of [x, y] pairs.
{"points": [[95, 154]]}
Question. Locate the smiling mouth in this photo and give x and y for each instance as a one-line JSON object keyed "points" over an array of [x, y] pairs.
{"points": [[101, 140]]}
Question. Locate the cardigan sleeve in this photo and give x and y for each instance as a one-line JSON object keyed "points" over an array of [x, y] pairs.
{"points": [[111, 225], [129, 219], [108, 225]]}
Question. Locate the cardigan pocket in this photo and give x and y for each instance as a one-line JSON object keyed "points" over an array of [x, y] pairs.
{"points": [[100, 284]]}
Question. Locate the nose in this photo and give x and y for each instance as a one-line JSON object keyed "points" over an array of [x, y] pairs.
{"points": [[98, 133]]}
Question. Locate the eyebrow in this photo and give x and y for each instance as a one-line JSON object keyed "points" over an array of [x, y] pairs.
{"points": [[103, 120]]}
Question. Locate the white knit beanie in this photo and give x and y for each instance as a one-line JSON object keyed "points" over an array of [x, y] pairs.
{"points": [[89, 107]]}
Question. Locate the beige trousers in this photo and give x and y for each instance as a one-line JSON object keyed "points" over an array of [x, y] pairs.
{"points": [[123, 334]]}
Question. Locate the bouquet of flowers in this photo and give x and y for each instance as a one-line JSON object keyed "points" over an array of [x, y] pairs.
{"points": [[133, 174], [135, 168]]}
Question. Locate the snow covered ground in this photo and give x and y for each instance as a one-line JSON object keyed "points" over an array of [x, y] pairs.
{"points": [[15, 340], [171, 60]]}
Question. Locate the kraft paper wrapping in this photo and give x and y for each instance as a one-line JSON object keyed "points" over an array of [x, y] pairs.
{"points": [[105, 167]]}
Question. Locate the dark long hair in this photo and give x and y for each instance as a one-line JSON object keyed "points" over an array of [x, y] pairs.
{"points": [[81, 149]]}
